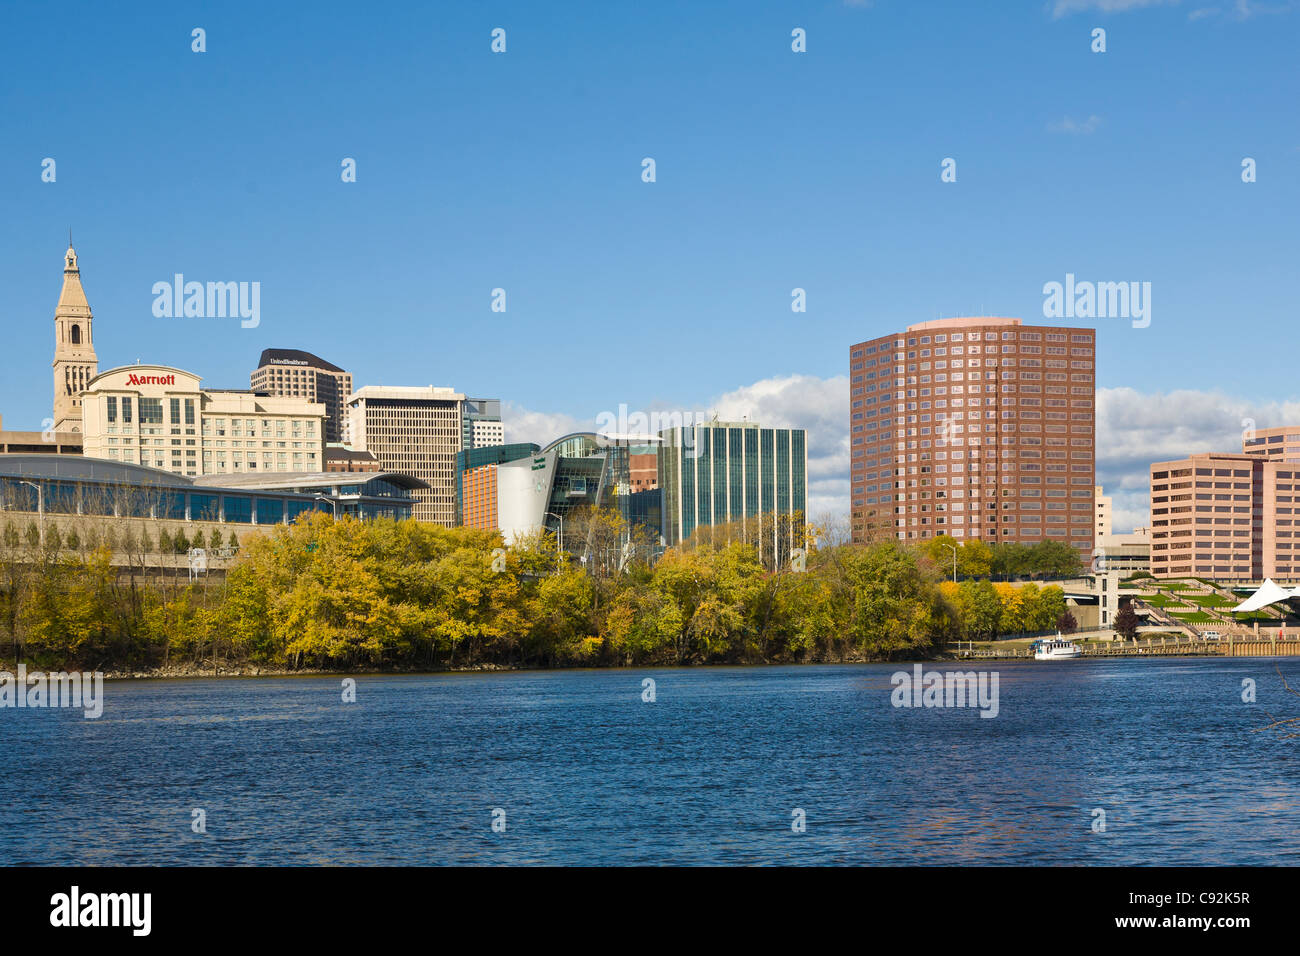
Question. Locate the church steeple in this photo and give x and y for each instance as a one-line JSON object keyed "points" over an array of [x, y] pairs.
{"points": [[75, 363]]}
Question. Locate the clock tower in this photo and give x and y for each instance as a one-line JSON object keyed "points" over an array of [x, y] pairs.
{"points": [[75, 363]]}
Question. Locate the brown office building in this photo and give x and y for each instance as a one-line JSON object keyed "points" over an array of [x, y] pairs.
{"points": [[976, 428], [297, 374]]}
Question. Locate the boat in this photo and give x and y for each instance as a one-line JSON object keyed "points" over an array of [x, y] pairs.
{"points": [[1055, 649]]}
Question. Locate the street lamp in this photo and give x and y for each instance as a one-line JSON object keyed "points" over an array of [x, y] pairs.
{"points": [[40, 506], [560, 519], [331, 502], [953, 549]]}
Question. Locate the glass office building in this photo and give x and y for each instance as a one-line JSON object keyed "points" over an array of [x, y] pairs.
{"points": [[723, 473]]}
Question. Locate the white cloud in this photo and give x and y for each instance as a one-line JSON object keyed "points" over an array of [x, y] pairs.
{"points": [[522, 425], [820, 406], [1064, 8], [1078, 127], [1136, 429]]}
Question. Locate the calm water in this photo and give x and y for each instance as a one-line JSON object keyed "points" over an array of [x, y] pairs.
{"points": [[589, 774]]}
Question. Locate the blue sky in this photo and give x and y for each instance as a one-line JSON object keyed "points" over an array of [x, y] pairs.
{"points": [[775, 170]]}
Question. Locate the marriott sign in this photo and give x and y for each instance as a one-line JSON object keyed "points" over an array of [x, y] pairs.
{"points": [[151, 380]]}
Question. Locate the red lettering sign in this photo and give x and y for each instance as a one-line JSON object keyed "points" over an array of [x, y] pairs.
{"points": [[150, 379]]}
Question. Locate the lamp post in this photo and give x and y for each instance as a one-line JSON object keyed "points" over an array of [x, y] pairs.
{"points": [[953, 549], [331, 502], [560, 519], [40, 506]]}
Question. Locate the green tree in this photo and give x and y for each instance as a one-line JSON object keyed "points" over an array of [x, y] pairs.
{"points": [[983, 610]]}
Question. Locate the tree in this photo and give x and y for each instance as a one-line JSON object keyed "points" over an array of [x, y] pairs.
{"points": [[943, 550], [976, 559], [1126, 622], [1066, 623], [983, 608], [1054, 559]]}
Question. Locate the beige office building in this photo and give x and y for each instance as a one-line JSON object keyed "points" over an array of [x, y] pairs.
{"points": [[1105, 513], [1274, 444], [976, 428], [416, 431], [1225, 517], [159, 416], [1125, 553]]}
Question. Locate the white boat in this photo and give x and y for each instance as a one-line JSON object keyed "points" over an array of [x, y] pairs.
{"points": [[1055, 649]]}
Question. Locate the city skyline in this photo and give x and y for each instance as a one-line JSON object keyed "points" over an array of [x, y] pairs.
{"points": [[752, 149]]}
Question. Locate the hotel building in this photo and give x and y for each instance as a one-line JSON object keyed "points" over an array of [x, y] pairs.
{"points": [[416, 431], [976, 428], [291, 373], [159, 416], [732, 472], [1226, 517]]}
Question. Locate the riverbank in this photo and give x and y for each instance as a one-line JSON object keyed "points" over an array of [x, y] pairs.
{"points": [[209, 670]]}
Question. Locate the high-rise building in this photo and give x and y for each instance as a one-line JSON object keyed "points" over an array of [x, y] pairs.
{"points": [[292, 373], [416, 431], [976, 428], [159, 416], [75, 363], [1104, 513], [1225, 516], [733, 473], [481, 423]]}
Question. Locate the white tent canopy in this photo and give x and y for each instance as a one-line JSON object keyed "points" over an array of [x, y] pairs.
{"points": [[1268, 593]]}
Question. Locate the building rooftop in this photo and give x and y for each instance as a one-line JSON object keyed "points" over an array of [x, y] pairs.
{"points": [[958, 322], [295, 357], [286, 480], [407, 393]]}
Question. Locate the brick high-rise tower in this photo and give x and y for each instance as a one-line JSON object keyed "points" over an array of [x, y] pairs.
{"points": [[976, 428]]}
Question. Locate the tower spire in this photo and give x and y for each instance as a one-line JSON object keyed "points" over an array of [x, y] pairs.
{"points": [[75, 363]]}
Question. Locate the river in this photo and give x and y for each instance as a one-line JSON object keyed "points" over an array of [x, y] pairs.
{"points": [[760, 765]]}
